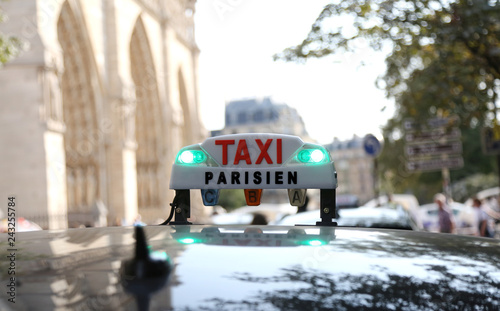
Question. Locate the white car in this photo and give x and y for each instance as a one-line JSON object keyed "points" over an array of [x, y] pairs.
{"points": [[22, 225], [245, 215], [464, 217], [385, 216], [408, 201]]}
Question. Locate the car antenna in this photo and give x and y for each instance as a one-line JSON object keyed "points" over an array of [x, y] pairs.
{"points": [[142, 275]]}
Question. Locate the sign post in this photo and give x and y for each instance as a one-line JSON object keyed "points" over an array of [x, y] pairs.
{"points": [[372, 145], [490, 138], [373, 148], [434, 146]]}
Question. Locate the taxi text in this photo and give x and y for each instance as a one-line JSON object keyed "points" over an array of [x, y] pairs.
{"points": [[255, 178], [242, 153]]}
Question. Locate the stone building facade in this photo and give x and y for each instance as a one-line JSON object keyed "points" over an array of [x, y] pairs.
{"points": [[263, 115], [355, 169], [93, 112]]}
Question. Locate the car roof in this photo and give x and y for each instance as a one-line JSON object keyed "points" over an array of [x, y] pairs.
{"points": [[245, 214], [263, 267], [455, 205], [386, 216], [409, 201]]}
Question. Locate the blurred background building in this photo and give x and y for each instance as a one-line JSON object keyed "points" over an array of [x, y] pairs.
{"points": [[262, 115], [355, 169], [95, 109]]}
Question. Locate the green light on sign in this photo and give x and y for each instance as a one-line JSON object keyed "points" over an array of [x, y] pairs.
{"points": [[192, 157], [186, 240], [315, 243], [311, 156]]}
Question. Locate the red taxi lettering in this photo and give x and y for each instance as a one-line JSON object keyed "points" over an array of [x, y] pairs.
{"points": [[224, 143], [263, 151], [242, 153], [279, 150]]}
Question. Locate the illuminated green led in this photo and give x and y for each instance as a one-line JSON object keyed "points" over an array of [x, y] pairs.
{"points": [[186, 240], [159, 255], [311, 156], [317, 156], [192, 157], [315, 242]]}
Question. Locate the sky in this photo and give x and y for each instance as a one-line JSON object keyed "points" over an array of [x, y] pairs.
{"points": [[336, 96]]}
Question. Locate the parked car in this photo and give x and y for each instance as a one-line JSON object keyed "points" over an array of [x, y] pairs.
{"points": [[463, 214], [408, 201], [22, 225], [385, 216], [244, 215]]}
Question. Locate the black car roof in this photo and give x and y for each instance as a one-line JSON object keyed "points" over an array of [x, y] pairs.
{"points": [[262, 267]]}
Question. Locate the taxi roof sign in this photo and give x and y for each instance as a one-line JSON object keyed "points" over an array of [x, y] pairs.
{"points": [[253, 161]]}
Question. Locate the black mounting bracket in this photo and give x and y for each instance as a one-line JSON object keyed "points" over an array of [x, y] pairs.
{"points": [[182, 207], [328, 208]]}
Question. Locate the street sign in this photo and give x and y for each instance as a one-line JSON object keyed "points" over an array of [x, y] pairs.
{"points": [[371, 145], [434, 164], [434, 149], [434, 123], [433, 135], [491, 140], [433, 144]]}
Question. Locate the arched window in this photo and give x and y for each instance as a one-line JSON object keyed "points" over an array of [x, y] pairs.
{"points": [[79, 112], [187, 129], [147, 121]]}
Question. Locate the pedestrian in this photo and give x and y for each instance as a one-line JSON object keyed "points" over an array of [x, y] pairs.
{"points": [[446, 219], [259, 219], [482, 225], [138, 221]]}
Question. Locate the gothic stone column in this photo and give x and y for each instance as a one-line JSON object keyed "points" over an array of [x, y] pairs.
{"points": [[32, 157]]}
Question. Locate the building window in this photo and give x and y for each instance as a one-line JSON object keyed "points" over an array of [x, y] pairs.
{"points": [[274, 115], [242, 118], [258, 116]]}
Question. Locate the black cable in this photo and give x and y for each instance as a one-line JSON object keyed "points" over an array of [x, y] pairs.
{"points": [[166, 222]]}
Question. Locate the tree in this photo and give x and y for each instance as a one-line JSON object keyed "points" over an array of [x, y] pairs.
{"points": [[444, 60], [457, 40], [231, 199], [9, 46]]}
